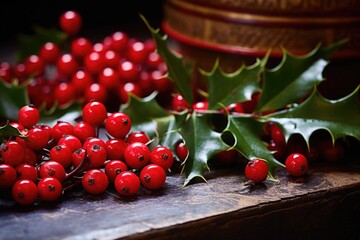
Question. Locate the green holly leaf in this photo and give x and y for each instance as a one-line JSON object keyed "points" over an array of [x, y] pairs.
{"points": [[30, 44], [340, 117], [147, 115], [12, 98], [202, 142], [178, 71], [7, 131], [293, 78], [226, 88], [247, 132]]}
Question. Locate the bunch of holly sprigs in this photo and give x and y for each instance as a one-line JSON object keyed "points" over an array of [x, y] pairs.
{"points": [[271, 118]]}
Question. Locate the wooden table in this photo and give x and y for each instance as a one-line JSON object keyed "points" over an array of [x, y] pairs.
{"points": [[325, 204]]}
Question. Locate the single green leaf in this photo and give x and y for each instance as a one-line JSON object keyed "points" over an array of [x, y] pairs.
{"points": [[293, 78], [226, 88], [30, 44], [178, 71], [340, 117], [12, 98], [7, 131], [202, 142], [147, 115], [247, 132]]}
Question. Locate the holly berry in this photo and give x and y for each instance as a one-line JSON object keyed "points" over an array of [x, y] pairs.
{"points": [[70, 22], [52, 169], [138, 136], [7, 176], [162, 156], [127, 183], [137, 155], [37, 138], [49, 189], [60, 129], [28, 116], [83, 131], [118, 125], [97, 156], [70, 141], [94, 113], [115, 148], [49, 52], [61, 154], [296, 164], [153, 176], [24, 192], [26, 171], [95, 181], [256, 170], [13, 153], [181, 151], [113, 168]]}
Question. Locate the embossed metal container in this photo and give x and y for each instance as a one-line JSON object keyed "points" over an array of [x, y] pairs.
{"points": [[239, 31]]}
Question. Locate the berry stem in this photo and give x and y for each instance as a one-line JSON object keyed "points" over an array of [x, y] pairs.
{"points": [[77, 169]]}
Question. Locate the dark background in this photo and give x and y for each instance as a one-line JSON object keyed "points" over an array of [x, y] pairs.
{"points": [[100, 18]]}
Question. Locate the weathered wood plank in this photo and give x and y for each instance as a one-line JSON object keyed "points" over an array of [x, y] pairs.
{"points": [[323, 204]]}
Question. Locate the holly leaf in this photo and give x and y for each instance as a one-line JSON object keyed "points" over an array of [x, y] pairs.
{"points": [[7, 131], [202, 142], [12, 98], [147, 115], [226, 88], [178, 71], [293, 78], [247, 133], [70, 113], [340, 117], [30, 44]]}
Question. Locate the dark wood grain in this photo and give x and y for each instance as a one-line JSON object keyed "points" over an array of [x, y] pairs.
{"points": [[324, 204]]}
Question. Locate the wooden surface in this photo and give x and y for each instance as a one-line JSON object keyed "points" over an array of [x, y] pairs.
{"points": [[324, 205]]}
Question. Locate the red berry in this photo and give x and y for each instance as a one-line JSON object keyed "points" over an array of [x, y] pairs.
{"points": [[37, 138], [49, 189], [96, 92], [95, 181], [109, 78], [118, 125], [162, 156], [162, 84], [111, 59], [65, 93], [26, 171], [256, 170], [81, 80], [137, 137], [115, 148], [113, 168], [28, 116], [83, 131], [49, 52], [126, 89], [137, 155], [137, 52], [129, 72], [80, 47], [96, 155], [296, 164], [93, 63], [67, 64], [61, 154], [119, 41], [153, 60], [12, 153], [34, 66], [227, 157], [70, 22], [200, 106], [179, 103], [24, 192], [60, 129], [7, 176], [181, 151], [127, 183], [153, 176], [277, 135], [52, 169], [70, 141], [92, 141], [78, 157], [94, 113]]}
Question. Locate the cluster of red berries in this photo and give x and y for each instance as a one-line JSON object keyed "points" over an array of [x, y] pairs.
{"points": [[82, 70], [41, 162]]}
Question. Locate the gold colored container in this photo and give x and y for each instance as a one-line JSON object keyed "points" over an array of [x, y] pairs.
{"points": [[239, 31]]}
